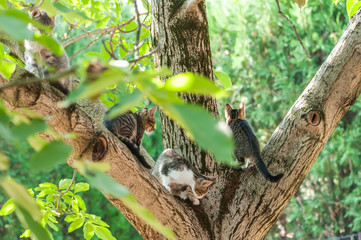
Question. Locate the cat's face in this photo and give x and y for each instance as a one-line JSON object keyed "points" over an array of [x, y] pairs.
{"points": [[201, 186], [43, 18], [149, 119], [232, 114]]}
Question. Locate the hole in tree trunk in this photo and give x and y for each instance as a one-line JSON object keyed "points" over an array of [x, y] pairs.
{"points": [[100, 149]]}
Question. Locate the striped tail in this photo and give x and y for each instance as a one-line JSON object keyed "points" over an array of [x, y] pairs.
{"points": [[134, 149], [264, 171]]}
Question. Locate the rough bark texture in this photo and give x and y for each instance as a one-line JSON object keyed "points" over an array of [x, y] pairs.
{"points": [[242, 205]]}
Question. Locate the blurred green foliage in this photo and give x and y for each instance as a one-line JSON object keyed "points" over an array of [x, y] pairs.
{"points": [[258, 49]]}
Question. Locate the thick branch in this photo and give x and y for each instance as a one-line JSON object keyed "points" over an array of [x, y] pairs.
{"points": [[174, 213], [299, 139]]}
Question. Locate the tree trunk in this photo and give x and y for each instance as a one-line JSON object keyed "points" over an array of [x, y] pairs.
{"points": [[242, 205]]}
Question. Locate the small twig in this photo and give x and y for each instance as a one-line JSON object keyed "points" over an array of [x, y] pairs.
{"points": [[109, 52], [91, 43], [51, 78], [139, 28], [67, 190], [146, 26], [121, 44], [143, 56], [111, 44], [134, 61], [294, 28]]}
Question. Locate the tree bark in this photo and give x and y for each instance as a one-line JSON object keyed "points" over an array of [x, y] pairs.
{"points": [[242, 205]]}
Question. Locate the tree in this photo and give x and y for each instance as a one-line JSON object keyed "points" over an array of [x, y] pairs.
{"points": [[241, 205]]}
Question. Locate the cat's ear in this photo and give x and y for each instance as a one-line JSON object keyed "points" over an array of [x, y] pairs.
{"points": [[226, 109], [207, 183], [242, 110], [153, 110]]}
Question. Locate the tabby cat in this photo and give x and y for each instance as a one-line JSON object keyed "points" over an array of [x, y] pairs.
{"points": [[180, 178], [246, 142], [41, 61], [129, 128]]}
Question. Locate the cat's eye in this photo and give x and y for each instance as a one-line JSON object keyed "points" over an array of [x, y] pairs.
{"points": [[184, 188]]}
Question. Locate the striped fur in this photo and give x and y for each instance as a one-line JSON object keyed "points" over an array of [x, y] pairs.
{"points": [[41, 61], [246, 142], [130, 127]]}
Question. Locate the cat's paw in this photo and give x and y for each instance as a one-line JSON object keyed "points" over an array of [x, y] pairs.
{"points": [[196, 201], [183, 195]]}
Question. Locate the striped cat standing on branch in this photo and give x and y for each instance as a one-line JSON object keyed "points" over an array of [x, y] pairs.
{"points": [[246, 142], [130, 127], [41, 61]]}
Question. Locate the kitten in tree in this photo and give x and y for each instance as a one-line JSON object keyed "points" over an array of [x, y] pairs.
{"points": [[246, 142], [41, 61], [180, 178], [129, 128]]}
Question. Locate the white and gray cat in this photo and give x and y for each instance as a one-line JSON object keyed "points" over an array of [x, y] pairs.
{"points": [[41, 61], [180, 177]]}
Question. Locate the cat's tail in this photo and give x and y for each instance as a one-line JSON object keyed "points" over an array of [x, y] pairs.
{"points": [[264, 171], [135, 150]]}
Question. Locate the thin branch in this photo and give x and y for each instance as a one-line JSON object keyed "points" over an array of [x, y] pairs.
{"points": [[51, 78], [91, 43], [67, 190], [111, 45], [111, 53], [139, 28], [294, 28], [143, 56], [98, 31]]}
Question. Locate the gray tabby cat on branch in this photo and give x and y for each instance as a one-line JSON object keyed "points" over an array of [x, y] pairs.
{"points": [[41, 61], [246, 142], [130, 127], [180, 177]]}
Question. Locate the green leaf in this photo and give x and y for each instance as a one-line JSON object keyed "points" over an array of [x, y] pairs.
{"points": [[191, 83], [224, 79], [71, 13], [7, 208], [21, 197], [107, 184], [349, 4], [107, 79], [48, 185], [203, 128], [4, 162], [54, 153], [103, 233], [80, 202], [22, 131], [81, 187], [70, 218], [88, 230], [26, 234], [354, 8], [49, 43], [76, 224], [126, 103], [3, 4], [35, 227], [65, 183], [37, 142], [7, 69], [14, 27], [146, 216], [53, 226]]}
